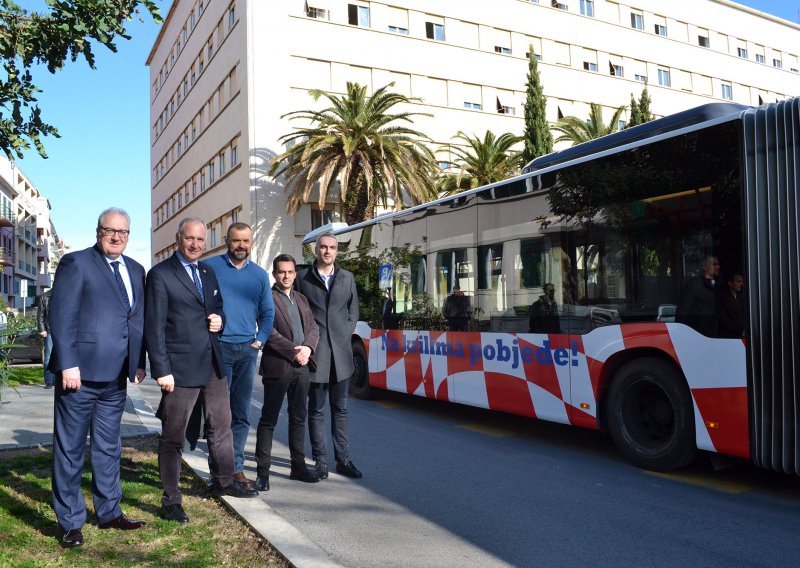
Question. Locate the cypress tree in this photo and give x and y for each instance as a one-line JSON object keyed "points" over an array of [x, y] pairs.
{"points": [[537, 137], [640, 111]]}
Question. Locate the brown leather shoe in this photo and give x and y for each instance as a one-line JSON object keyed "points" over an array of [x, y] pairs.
{"points": [[240, 477]]}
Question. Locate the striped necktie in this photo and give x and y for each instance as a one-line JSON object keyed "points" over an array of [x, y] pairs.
{"points": [[197, 283], [121, 283]]}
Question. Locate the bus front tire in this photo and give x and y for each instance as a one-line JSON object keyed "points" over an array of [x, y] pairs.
{"points": [[650, 415], [359, 384]]}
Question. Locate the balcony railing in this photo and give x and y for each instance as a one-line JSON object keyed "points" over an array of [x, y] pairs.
{"points": [[6, 257]]}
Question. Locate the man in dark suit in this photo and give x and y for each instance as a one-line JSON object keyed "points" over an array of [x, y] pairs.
{"points": [[183, 316], [331, 293], [285, 364], [96, 316]]}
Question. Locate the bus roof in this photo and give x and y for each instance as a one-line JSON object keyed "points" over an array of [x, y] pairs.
{"points": [[697, 115]]}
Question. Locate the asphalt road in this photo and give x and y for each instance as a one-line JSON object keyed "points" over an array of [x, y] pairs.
{"points": [[446, 485]]}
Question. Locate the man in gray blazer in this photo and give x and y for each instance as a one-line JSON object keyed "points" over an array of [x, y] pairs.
{"points": [[331, 293]]}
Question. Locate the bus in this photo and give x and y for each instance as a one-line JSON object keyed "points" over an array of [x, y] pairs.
{"points": [[615, 237]]}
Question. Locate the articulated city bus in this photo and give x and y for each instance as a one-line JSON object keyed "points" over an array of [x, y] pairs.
{"points": [[630, 241]]}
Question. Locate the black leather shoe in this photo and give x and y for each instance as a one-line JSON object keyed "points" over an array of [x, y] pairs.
{"points": [[236, 489], [321, 469], [174, 513], [262, 483], [348, 469], [122, 523], [72, 538], [303, 474]]}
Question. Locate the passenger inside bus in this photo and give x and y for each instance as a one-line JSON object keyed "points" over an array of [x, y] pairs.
{"points": [[697, 305], [544, 312], [731, 308]]}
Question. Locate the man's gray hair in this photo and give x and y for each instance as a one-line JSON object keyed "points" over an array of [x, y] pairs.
{"points": [[112, 211], [325, 235], [186, 220]]}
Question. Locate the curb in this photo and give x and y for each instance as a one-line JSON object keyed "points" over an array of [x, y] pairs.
{"points": [[296, 548]]}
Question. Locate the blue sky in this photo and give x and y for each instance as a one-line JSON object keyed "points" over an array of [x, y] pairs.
{"points": [[102, 158]]}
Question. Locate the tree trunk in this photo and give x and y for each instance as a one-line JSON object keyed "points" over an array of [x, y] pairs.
{"points": [[356, 202]]}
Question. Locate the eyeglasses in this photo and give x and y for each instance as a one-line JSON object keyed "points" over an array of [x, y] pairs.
{"points": [[108, 232]]}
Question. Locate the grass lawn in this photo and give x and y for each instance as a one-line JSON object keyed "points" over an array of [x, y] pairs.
{"points": [[29, 535], [18, 376]]}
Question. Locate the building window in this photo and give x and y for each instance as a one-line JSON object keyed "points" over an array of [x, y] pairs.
{"points": [[741, 52], [210, 48], [192, 20], [661, 30], [702, 41], [222, 163], [234, 154], [616, 70], [202, 181], [231, 15], [663, 78], [213, 236], [621, 125], [358, 15], [760, 58], [637, 21], [235, 216], [201, 62], [398, 30], [200, 7], [777, 63], [212, 172], [727, 92], [501, 49], [194, 187], [320, 217], [558, 5], [505, 109], [316, 13], [587, 8], [472, 106], [434, 31]]}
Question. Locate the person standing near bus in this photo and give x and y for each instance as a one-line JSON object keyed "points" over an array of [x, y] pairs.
{"points": [[697, 306], [286, 366], [331, 293]]}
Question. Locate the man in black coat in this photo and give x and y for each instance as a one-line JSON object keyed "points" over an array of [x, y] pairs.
{"points": [[697, 306], [286, 363], [183, 316], [731, 308], [331, 293]]}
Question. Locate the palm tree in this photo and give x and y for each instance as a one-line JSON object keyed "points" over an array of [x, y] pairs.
{"points": [[577, 131], [359, 143], [481, 162]]}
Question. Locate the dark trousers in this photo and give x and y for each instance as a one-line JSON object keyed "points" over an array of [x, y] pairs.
{"points": [[176, 407], [336, 393], [295, 388], [95, 409]]}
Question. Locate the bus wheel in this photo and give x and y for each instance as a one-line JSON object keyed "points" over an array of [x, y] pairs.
{"points": [[650, 416], [359, 384]]}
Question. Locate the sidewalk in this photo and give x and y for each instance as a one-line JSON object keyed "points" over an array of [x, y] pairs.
{"points": [[26, 420]]}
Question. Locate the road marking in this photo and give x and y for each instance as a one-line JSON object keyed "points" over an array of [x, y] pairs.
{"points": [[707, 482], [487, 430]]}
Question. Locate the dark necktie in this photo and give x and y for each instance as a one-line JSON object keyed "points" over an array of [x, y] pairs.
{"points": [[197, 283], [121, 283]]}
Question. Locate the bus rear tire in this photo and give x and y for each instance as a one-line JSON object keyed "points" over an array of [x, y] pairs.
{"points": [[650, 415], [359, 384]]}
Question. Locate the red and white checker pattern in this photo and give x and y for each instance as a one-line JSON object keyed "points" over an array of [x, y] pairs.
{"points": [[558, 377]]}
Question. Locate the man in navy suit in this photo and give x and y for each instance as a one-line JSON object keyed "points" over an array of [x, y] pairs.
{"points": [[183, 317], [96, 321]]}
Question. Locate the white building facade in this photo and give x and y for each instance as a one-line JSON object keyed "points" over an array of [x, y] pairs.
{"points": [[224, 72], [29, 245]]}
